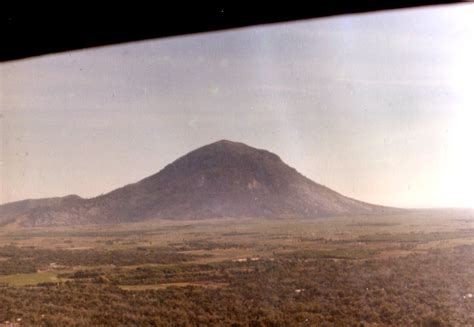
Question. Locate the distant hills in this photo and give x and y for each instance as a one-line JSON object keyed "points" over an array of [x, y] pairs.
{"points": [[219, 180]]}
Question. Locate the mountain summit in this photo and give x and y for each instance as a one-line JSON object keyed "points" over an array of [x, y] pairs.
{"points": [[222, 179]]}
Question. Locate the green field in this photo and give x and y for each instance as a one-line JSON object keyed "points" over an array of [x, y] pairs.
{"points": [[29, 279]]}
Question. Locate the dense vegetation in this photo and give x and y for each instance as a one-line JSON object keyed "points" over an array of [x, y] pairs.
{"points": [[24, 260], [429, 289]]}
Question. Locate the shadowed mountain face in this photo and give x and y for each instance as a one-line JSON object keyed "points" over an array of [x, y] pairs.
{"points": [[222, 179]]}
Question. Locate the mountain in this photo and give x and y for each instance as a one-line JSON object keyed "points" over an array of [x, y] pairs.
{"points": [[11, 211], [222, 179]]}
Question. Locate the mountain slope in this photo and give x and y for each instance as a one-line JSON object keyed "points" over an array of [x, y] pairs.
{"points": [[222, 179], [11, 211]]}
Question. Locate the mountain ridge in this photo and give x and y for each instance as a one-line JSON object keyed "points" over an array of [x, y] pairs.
{"points": [[218, 180]]}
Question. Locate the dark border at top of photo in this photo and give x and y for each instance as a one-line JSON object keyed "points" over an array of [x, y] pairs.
{"points": [[33, 30]]}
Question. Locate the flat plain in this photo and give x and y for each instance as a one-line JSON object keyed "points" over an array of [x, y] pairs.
{"points": [[412, 268]]}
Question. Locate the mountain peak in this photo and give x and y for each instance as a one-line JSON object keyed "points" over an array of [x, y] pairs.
{"points": [[226, 142], [228, 145], [232, 149]]}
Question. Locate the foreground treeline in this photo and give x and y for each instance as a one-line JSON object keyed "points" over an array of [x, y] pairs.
{"points": [[429, 289]]}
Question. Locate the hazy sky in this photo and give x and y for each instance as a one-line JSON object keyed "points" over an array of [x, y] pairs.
{"points": [[377, 106]]}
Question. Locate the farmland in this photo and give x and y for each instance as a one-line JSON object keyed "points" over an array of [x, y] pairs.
{"points": [[414, 268]]}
